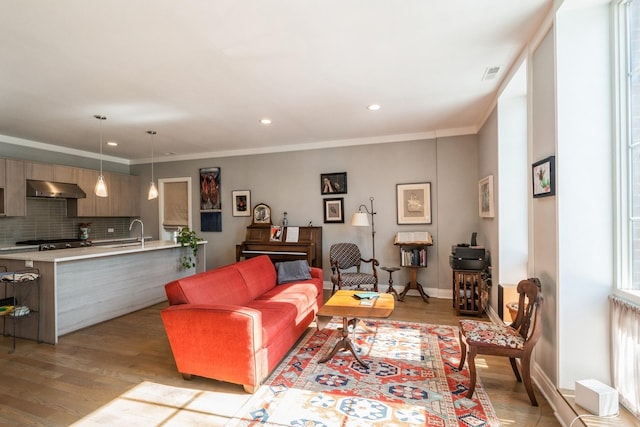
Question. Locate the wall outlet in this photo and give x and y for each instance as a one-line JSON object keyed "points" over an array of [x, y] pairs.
{"points": [[109, 230], [28, 263]]}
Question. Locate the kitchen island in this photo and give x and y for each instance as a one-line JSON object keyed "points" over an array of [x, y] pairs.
{"points": [[80, 287]]}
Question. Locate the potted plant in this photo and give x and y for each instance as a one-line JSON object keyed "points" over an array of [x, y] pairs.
{"points": [[187, 237]]}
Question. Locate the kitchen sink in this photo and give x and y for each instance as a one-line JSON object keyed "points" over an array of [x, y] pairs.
{"points": [[119, 245]]}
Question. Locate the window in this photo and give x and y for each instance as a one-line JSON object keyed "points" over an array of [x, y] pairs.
{"points": [[629, 136]]}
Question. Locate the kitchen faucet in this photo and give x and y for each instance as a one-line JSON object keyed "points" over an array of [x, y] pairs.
{"points": [[141, 229]]}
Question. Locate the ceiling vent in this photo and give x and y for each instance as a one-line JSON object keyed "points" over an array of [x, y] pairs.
{"points": [[490, 73]]}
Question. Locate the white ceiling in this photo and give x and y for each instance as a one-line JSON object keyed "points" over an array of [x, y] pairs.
{"points": [[202, 73]]}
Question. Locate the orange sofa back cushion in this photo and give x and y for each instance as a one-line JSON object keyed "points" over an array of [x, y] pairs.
{"points": [[223, 285], [259, 273]]}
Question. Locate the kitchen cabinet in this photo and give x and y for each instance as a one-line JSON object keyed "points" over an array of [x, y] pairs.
{"points": [[123, 200], [66, 174], [124, 190], [38, 171], [124, 195], [15, 189], [3, 166]]}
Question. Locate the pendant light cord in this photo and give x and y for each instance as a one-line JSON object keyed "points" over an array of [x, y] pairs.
{"points": [[101, 118]]}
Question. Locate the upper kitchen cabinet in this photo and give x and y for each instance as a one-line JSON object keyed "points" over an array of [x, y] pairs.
{"points": [[124, 193], [123, 197], [3, 166], [39, 171], [15, 190]]}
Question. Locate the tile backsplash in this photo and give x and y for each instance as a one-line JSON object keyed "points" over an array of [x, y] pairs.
{"points": [[47, 219]]}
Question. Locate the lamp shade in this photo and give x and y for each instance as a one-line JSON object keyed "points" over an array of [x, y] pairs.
{"points": [[360, 219], [153, 191], [101, 187]]}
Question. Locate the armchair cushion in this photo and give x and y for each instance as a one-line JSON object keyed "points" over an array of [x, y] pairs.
{"points": [[292, 271]]}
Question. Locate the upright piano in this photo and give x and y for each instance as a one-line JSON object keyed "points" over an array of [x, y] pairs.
{"points": [[258, 242]]}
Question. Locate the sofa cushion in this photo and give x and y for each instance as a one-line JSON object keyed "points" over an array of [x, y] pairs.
{"points": [[223, 285], [292, 271], [258, 273], [277, 316]]}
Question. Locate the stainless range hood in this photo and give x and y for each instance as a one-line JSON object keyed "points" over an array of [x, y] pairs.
{"points": [[54, 190]]}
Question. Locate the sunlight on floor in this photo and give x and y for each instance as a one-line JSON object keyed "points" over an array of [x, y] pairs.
{"points": [[153, 404]]}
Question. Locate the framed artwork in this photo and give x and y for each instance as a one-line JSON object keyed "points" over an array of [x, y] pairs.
{"points": [[543, 176], [241, 202], [276, 233], [485, 197], [210, 189], [414, 203], [333, 210], [261, 215], [333, 183]]}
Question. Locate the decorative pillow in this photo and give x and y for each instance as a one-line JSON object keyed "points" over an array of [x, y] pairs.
{"points": [[292, 271]]}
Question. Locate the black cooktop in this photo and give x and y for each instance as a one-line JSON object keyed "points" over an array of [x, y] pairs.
{"points": [[46, 241]]}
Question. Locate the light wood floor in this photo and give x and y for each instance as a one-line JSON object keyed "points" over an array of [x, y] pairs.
{"points": [[124, 367]]}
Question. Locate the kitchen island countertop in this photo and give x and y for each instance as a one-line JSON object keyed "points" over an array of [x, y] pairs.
{"points": [[74, 254]]}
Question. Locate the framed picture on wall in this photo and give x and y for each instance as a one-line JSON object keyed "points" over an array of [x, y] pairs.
{"points": [[333, 183], [485, 197], [334, 210], [414, 203], [210, 189], [241, 202], [543, 176]]}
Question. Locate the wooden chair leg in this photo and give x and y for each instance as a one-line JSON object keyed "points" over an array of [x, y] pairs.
{"points": [[526, 374], [515, 368], [463, 352], [471, 361]]}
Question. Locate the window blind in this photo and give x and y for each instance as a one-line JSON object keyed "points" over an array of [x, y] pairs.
{"points": [[176, 207]]}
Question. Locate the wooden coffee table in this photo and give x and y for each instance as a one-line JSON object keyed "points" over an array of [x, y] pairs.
{"points": [[345, 305]]}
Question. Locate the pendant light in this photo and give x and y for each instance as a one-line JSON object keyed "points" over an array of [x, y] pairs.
{"points": [[153, 191], [101, 187]]}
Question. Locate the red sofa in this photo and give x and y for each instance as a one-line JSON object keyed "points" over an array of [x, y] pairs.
{"points": [[235, 323]]}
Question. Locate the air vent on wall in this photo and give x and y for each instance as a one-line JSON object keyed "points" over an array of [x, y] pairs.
{"points": [[490, 73]]}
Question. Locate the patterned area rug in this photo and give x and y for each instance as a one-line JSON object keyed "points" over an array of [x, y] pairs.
{"points": [[411, 380]]}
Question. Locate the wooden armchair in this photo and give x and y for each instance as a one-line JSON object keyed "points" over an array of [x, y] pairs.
{"points": [[344, 258], [515, 341]]}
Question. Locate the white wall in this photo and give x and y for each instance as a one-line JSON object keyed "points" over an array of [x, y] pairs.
{"points": [[585, 193], [543, 221]]}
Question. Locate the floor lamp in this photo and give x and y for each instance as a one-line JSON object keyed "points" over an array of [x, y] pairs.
{"points": [[361, 219]]}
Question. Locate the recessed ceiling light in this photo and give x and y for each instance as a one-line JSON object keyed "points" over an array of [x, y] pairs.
{"points": [[112, 143], [373, 107], [265, 121]]}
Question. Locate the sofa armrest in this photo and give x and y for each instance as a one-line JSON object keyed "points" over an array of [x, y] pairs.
{"points": [[316, 273], [215, 341]]}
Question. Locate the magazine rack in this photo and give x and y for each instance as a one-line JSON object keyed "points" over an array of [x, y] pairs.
{"points": [[19, 287]]}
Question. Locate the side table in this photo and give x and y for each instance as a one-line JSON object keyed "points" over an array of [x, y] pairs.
{"points": [[390, 290], [414, 284]]}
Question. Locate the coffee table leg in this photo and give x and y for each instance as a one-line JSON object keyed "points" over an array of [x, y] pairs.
{"points": [[344, 343]]}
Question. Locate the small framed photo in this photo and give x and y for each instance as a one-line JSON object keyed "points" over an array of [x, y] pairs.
{"points": [[544, 177], [241, 202], [276, 233], [333, 210], [333, 183], [414, 203], [485, 197]]}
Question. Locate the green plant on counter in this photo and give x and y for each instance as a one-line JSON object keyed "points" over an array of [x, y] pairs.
{"points": [[187, 237]]}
